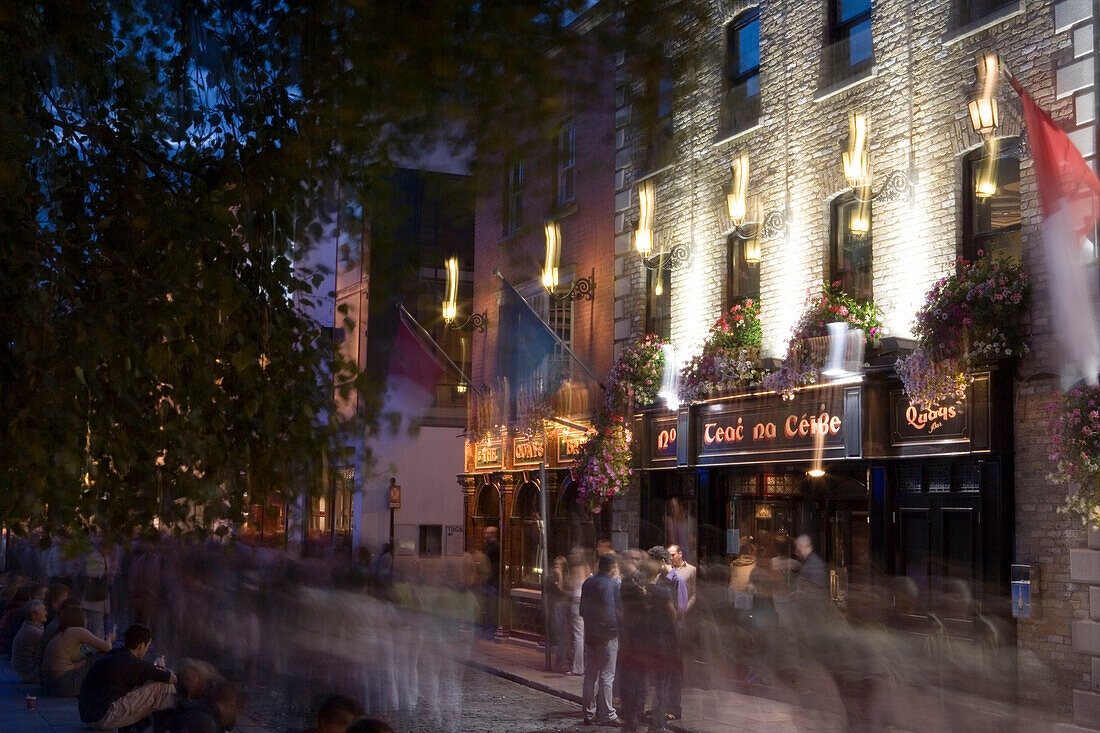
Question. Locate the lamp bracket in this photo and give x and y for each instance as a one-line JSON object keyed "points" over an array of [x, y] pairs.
{"points": [[582, 289], [896, 184], [676, 258], [771, 227], [476, 322]]}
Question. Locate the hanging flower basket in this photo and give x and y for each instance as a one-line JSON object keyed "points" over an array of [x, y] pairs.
{"points": [[803, 363], [972, 317], [730, 357], [635, 378], [602, 469], [1075, 435]]}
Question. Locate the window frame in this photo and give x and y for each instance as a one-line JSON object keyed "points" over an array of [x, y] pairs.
{"points": [[733, 295], [840, 34], [515, 181], [567, 164], [656, 323], [965, 12], [837, 222], [971, 240], [734, 80]]}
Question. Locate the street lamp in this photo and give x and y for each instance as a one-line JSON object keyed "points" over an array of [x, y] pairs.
{"points": [[676, 256], [984, 117], [769, 227], [584, 287], [476, 321], [856, 160]]}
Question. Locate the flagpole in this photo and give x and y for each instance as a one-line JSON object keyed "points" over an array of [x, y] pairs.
{"points": [[425, 334], [496, 271]]}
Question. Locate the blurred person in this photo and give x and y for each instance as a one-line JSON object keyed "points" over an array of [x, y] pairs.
{"points": [[687, 573], [64, 666], [26, 641], [492, 586], [741, 568], [336, 715], [661, 592], [764, 622], [633, 662], [813, 576], [121, 690], [12, 583], [95, 588], [214, 713], [13, 619], [559, 612], [196, 678], [50, 631], [601, 609], [603, 546], [56, 594], [579, 571]]}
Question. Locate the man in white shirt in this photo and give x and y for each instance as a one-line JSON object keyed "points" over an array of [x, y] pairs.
{"points": [[686, 571]]}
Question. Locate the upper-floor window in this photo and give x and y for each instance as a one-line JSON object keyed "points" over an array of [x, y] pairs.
{"points": [[742, 270], [658, 116], [849, 49], [658, 309], [513, 197], [969, 11], [850, 247], [558, 314], [991, 200], [742, 74], [567, 163]]}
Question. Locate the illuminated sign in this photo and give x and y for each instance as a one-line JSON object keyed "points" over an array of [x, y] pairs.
{"points": [[939, 423], [569, 445], [528, 451], [825, 420], [664, 437], [488, 455]]}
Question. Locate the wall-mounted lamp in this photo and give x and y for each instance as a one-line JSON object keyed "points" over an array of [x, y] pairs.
{"points": [[769, 227], [985, 183], [672, 258], [476, 321], [585, 287], [984, 117], [857, 170]]}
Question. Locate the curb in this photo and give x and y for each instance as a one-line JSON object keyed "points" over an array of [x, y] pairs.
{"points": [[568, 696]]}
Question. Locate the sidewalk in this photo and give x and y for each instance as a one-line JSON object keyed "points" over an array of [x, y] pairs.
{"points": [[704, 710]]}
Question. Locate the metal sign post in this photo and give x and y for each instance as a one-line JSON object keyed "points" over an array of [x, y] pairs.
{"points": [[544, 552]]}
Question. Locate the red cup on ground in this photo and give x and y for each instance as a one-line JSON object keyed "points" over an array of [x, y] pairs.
{"points": [[32, 701]]}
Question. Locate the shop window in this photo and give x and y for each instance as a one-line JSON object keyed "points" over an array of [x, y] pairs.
{"points": [[567, 162], [850, 247], [658, 312], [741, 109], [527, 526], [514, 183], [971, 11], [487, 505], [991, 215], [939, 478], [431, 540], [911, 478], [969, 477], [849, 51], [742, 274]]}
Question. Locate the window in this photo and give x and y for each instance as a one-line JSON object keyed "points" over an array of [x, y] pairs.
{"points": [[742, 74], [526, 524], [969, 11], [660, 89], [558, 314], [658, 310], [850, 247], [567, 161], [849, 50], [513, 198], [991, 223], [431, 540], [742, 275]]}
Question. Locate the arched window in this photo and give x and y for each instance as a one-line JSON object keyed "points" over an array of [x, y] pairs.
{"points": [[527, 533]]}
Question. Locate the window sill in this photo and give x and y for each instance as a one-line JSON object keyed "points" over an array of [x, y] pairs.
{"points": [[851, 82], [986, 22], [564, 211], [653, 173], [510, 236], [725, 137]]}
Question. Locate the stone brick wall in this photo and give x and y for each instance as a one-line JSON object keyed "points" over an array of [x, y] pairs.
{"points": [[915, 102]]}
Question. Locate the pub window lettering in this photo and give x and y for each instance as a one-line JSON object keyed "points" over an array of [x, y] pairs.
{"points": [[742, 73], [991, 217], [850, 247], [850, 50]]}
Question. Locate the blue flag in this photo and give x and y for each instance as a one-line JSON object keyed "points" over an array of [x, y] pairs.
{"points": [[524, 341]]}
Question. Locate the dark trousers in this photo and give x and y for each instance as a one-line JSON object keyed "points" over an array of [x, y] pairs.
{"points": [[631, 678], [676, 681], [662, 683]]}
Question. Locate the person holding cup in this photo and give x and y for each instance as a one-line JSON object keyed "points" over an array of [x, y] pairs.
{"points": [[122, 689]]}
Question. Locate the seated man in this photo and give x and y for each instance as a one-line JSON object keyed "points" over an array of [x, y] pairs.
{"points": [[121, 689], [26, 641]]}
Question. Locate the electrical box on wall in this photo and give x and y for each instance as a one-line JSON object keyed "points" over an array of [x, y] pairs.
{"points": [[1025, 591]]}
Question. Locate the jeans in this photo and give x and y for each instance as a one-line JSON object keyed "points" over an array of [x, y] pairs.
{"points": [[578, 637], [599, 669]]}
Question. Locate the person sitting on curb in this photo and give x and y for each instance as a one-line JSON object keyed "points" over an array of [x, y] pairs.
{"points": [[26, 641], [212, 714], [337, 714], [121, 689], [63, 663]]}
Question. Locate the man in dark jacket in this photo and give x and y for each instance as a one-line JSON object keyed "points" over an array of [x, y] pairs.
{"points": [[601, 609], [121, 688]]}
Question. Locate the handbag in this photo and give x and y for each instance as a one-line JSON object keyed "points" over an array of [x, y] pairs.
{"points": [[96, 589]]}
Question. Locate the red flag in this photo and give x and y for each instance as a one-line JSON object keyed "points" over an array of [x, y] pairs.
{"points": [[1069, 194], [414, 373]]}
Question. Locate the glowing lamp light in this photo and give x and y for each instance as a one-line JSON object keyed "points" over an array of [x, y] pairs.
{"points": [[643, 237], [735, 199], [984, 116], [816, 472], [553, 252], [985, 183], [859, 221], [752, 250], [856, 159], [450, 305]]}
